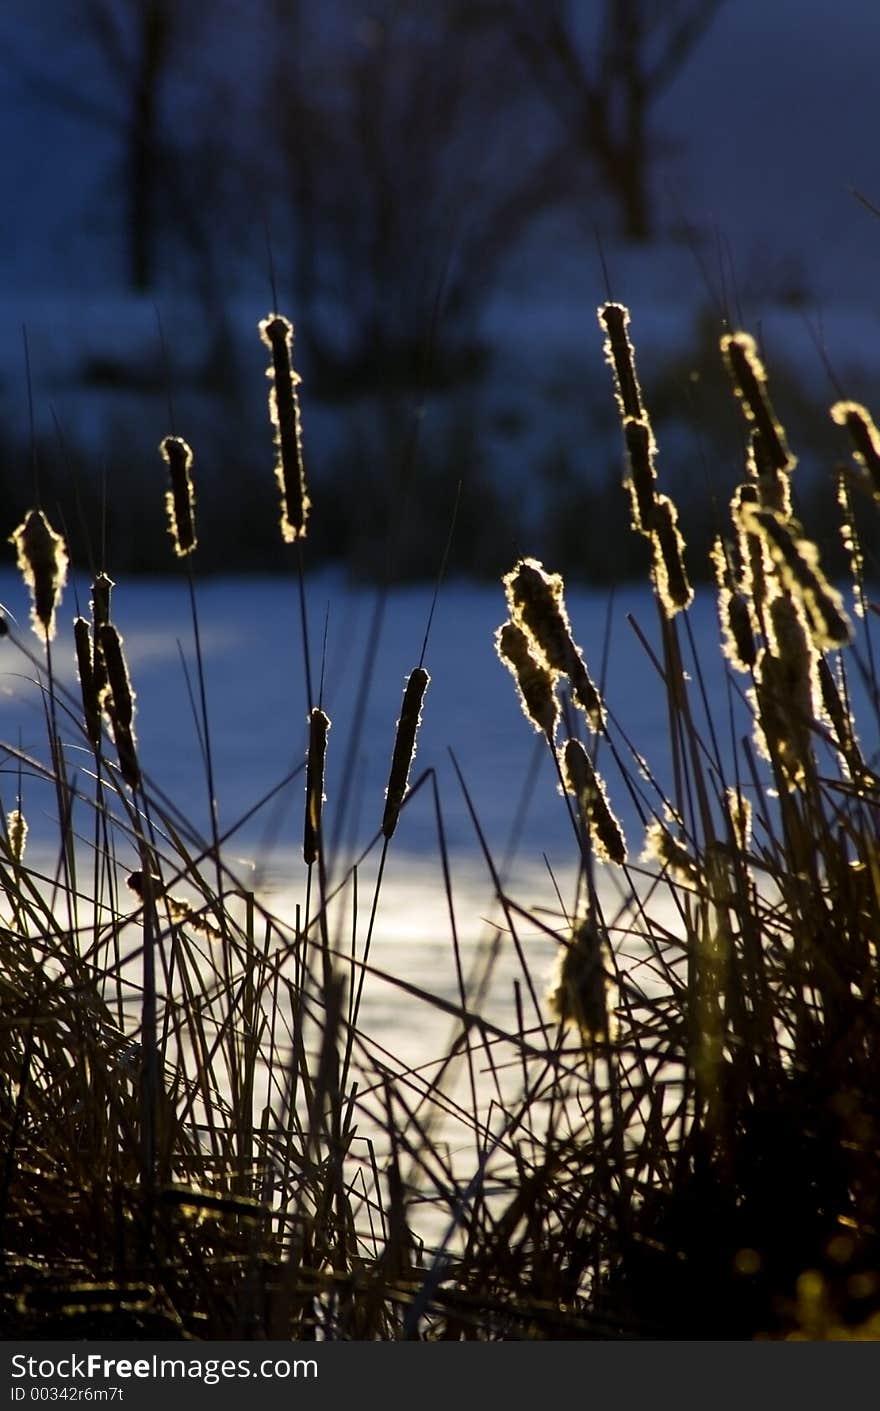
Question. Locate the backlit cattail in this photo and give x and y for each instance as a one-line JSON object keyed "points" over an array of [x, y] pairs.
{"points": [[670, 576], [585, 785], [851, 541], [180, 911], [319, 724], [786, 693], [774, 485], [17, 831], [641, 476], [738, 642], [620, 355], [756, 578], [537, 605], [180, 500], [100, 606], [534, 678], [840, 718], [796, 560], [277, 333], [42, 559], [117, 700], [749, 379], [404, 747], [865, 438], [85, 666], [739, 810], [582, 992], [673, 856]]}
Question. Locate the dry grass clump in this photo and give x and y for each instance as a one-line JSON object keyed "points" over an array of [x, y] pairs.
{"points": [[680, 1140]]}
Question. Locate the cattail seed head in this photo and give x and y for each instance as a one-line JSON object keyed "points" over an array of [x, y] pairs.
{"points": [[851, 541], [536, 603], [670, 576], [85, 666], [319, 725], [117, 700], [277, 333], [787, 696], [17, 831], [641, 477], [739, 810], [620, 355], [585, 785], [738, 641], [673, 856], [42, 560], [533, 677], [865, 438], [582, 993], [796, 560], [740, 353], [404, 748], [100, 606], [180, 500]]}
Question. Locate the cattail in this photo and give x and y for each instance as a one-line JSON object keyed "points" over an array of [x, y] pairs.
{"points": [[670, 577], [100, 606], [786, 694], [738, 642], [840, 718], [180, 911], [404, 747], [774, 485], [85, 666], [749, 379], [673, 856], [865, 438], [534, 678], [319, 724], [117, 700], [757, 578], [180, 500], [277, 333], [537, 605], [582, 781], [739, 811], [581, 993], [851, 541], [641, 479], [797, 562], [620, 355], [42, 560], [17, 831]]}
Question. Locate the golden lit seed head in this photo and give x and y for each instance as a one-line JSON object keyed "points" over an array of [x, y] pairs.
{"points": [[582, 993], [740, 811], [17, 830], [277, 333], [673, 856], [738, 642], [796, 560], [641, 477], [180, 500], [620, 355], [537, 606], [586, 786], [42, 560], [740, 353], [865, 438], [533, 677], [670, 576]]}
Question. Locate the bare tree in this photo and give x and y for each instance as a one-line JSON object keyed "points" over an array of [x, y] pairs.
{"points": [[602, 68], [405, 149]]}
